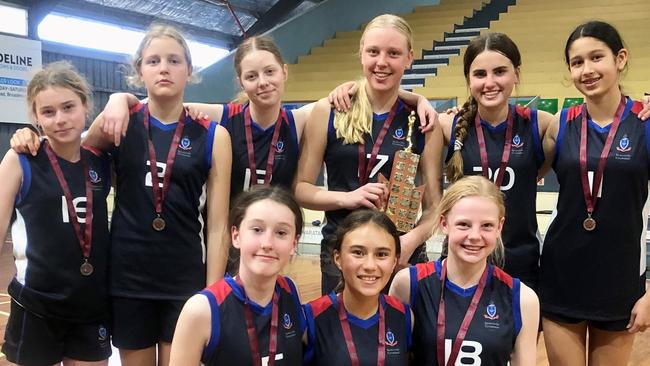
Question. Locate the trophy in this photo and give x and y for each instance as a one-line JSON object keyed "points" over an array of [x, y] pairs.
{"points": [[404, 197]]}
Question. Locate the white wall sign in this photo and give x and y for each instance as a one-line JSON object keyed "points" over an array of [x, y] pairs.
{"points": [[20, 59]]}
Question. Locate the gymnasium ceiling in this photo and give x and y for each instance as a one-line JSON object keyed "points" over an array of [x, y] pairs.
{"points": [[218, 22]]}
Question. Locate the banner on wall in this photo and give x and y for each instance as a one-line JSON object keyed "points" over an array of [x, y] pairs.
{"points": [[20, 59]]}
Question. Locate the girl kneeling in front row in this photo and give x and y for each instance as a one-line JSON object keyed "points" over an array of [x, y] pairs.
{"points": [[257, 312]]}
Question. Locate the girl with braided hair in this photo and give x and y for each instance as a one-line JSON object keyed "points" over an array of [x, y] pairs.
{"points": [[500, 141]]}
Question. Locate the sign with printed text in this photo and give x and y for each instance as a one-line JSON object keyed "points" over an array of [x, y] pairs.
{"points": [[20, 59]]}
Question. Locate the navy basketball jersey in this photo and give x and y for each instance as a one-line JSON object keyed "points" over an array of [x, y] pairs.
{"points": [[598, 275], [229, 342], [326, 342], [493, 330], [342, 161], [48, 256], [286, 150], [167, 264], [519, 184]]}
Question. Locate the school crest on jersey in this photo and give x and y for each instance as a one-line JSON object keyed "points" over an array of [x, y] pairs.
{"points": [[517, 143], [390, 339], [94, 177], [624, 145], [399, 134], [286, 321], [492, 316], [185, 144], [185, 147], [624, 149], [279, 147], [491, 312]]}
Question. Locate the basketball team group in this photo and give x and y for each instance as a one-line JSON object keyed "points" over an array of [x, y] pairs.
{"points": [[207, 214]]}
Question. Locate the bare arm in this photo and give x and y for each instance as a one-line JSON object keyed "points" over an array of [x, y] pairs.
{"points": [[548, 142], [12, 176], [301, 116], [110, 126], [525, 351], [24, 141], [431, 168], [192, 332], [218, 239], [640, 315], [401, 286], [212, 112], [311, 159]]}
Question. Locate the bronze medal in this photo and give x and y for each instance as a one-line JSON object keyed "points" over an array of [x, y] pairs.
{"points": [[158, 224], [589, 224], [86, 268]]}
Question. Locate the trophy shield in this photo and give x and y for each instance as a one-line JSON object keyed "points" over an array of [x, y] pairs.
{"points": [[404, 198]]}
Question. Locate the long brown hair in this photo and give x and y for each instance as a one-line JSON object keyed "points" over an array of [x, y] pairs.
{"points": [[257, 43], [498, 42]]}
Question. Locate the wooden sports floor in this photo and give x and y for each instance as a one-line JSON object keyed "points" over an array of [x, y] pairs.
{"points": [[305, 272]]}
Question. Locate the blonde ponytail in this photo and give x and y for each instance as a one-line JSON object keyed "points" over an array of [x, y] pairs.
{"points": [[351, 126]]}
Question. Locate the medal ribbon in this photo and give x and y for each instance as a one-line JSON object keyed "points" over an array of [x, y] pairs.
{"points": [[506, 148], [347, 333], [592, 196], [365, 170], [467, 319], [251, 150], [158, 193], [85, 238], [252, 333]]}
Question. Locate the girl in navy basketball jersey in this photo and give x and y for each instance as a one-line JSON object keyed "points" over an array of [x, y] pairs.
{"points": [[265, 136], [254, 117], [375, 329], [593, 260], [465, 308], [254, 318], [500, 141], [365, 139], [169, 168], [55, 202]]}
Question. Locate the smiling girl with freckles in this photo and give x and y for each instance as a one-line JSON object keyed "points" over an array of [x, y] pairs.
{"points": [[375, 329], [465, 307]]}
